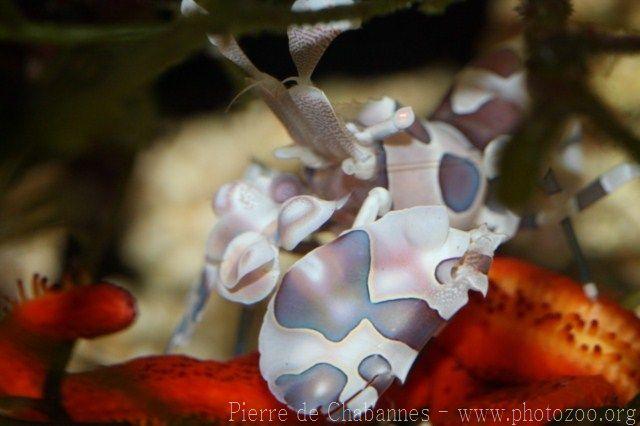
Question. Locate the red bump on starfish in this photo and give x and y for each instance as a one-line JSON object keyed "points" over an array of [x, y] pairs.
{"points": [[436, 380], [85, 311], [165, 389], [35, 331], [532, 404], [539, 325]]}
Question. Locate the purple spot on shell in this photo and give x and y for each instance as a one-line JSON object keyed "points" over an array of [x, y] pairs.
{"points": [[459, 182], [328, 291], [494, 118], [329, 298], [314, 388], [376, 370]]}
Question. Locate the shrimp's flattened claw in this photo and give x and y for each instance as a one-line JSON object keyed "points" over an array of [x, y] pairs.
{"points": [[249, 269], [301, 216]]}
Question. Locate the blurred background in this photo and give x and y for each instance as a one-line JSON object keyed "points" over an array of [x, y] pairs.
{"points": [[111, 150]]}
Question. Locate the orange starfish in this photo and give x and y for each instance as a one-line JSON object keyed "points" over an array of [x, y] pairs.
{"points": [[35, 330], [538, 325], [536, 340]]}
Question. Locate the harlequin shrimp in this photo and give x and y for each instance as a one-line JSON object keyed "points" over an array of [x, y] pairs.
{"points": [[413, 203]]}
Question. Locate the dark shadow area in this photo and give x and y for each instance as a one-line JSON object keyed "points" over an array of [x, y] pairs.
{"points": [[402, 41]]}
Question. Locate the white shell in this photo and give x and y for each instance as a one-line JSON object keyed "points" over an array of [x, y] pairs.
{"points": [[410, 160], [352, 315]]}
